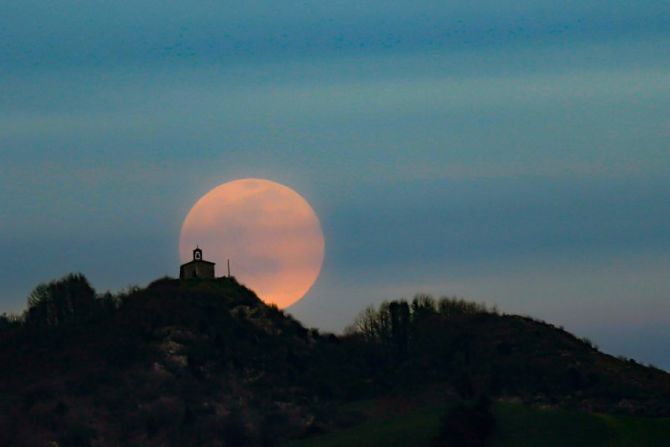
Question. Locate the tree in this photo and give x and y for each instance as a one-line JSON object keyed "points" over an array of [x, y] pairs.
{"points": [[66, 300], [400, 327], [7, 321], [423, 306], [365, 324]]}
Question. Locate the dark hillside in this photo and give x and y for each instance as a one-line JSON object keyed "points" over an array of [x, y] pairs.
{"points": [[207, 363], [175, 364], [479, 352]]}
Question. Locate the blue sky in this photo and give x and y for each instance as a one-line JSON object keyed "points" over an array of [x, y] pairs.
{"points": [[515, 153]]}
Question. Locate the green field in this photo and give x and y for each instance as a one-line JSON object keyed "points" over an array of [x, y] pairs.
{"points": [[517, 425]]}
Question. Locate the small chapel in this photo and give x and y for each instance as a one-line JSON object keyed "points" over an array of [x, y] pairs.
{"points": [[197, 268]]}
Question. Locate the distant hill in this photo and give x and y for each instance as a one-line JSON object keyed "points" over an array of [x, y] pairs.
{"points": [[205, 362]]}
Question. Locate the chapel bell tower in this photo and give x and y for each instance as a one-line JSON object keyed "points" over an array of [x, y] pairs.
{"points": [[198, 268]]}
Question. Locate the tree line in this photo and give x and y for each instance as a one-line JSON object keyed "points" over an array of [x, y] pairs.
{"points": [[67, 300], [393, 321]]}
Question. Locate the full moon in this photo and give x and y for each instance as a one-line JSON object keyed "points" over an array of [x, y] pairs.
{"points": [[269, 232]]}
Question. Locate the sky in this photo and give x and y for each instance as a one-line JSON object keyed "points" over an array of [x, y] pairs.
{"points": [[514, 153]]}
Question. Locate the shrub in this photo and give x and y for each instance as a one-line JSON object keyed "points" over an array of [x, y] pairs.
{"points": [[466, 425]]}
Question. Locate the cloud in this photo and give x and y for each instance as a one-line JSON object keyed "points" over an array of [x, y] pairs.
{"points": [[102, 34]]}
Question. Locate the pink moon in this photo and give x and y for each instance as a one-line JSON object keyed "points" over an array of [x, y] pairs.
{"points": [[269, 232]]}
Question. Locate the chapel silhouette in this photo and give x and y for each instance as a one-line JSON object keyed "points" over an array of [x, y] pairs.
{"points": [[197, 268]]}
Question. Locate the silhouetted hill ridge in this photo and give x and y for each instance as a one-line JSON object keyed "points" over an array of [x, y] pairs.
{"points": [[205, 362]]}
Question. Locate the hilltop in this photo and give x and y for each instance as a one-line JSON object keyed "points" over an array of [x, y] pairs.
{"points": [[205, 362]]}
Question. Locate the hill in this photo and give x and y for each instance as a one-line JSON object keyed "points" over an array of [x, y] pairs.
{"points": [[207, 363]]}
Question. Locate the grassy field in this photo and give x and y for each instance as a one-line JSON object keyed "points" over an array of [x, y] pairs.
{"points": [[628, 431], [517, 425], [416, 428]]}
